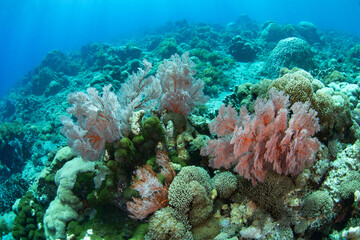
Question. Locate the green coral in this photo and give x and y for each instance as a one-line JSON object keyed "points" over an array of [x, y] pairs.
{"points": [[112, 223], [350, 184], [29, 217], [84, 184], [177, 119], [215, 58], [353, 59], [335, 76], [267, 194], [105, 194], [153, 129], [41, 80], [196, 42], [144, 144], [167, 48], [208, 230], [107, 201], [241, 97], [175, 159], [125, 152], [129, 152], [140, 232], [212, 77], [297, 83], [190, 208], [138, 140], [129, 193], [5, 227], [190, 194]]}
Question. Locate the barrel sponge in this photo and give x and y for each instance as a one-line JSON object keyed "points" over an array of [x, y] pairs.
{"points": [[225, 183], [190, 194], [167, 223], [316, 203]]}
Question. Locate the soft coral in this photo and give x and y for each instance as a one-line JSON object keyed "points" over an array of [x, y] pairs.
{"points": [[105, 118], [154, 194], [264, 140], [181, 91], [98, 121]]}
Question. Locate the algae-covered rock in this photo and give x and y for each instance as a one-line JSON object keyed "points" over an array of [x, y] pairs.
{"points": [[308, 31], [167, 223], [334, 117], [153, 128], [167, 47], [353, 58], [289, 52], [140, 232], [242, 50], [273, 32]]}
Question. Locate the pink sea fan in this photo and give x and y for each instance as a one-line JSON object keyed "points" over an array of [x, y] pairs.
{"points": [[98, 121], [226, 121], [105, 118], [167, 170], [266, 139], [140, 91], [221, 152], [181, 91]]}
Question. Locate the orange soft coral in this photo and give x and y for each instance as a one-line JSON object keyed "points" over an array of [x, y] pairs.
{"points": [[154, 194]]}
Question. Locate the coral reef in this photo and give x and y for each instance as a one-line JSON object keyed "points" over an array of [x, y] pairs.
{"points": [[142, 152]]}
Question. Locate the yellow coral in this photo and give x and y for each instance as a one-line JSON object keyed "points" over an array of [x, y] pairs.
{"points": [[297, 83]]}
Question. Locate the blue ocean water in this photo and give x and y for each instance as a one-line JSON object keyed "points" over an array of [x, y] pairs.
{"points": [[31, 28]]}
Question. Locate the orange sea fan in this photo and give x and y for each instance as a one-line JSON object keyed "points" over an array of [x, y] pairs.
{"points": [[153, 194]]}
